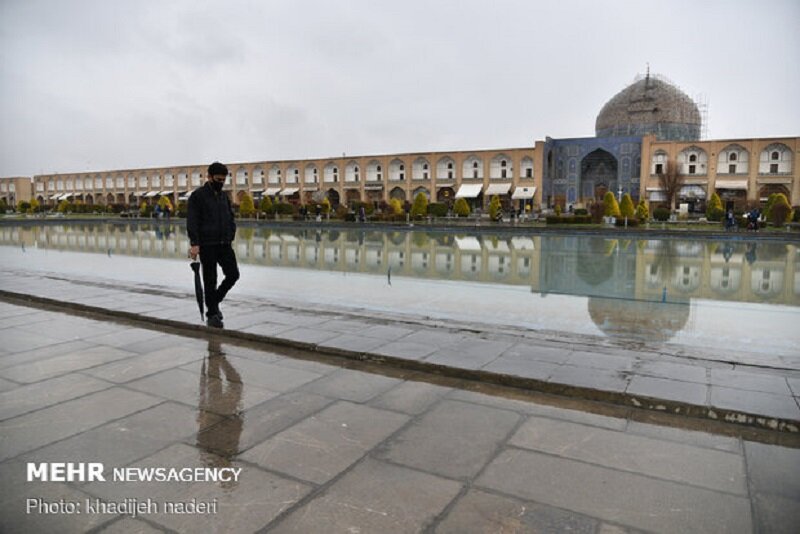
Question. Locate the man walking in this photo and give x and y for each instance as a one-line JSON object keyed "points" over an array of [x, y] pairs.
{"points": [[211, 230]]}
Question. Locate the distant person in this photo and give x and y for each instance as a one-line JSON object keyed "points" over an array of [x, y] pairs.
{"points": [[211, 228], [362, 214], [729, 220]]}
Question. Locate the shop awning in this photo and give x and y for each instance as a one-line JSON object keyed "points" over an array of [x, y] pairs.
{"points": [[184, 196], [66, 196], [55, 197], [469, 191], [468, 243], [289, 191], [497, 189], [692, 191], [371, 187], [151, 194], [731, 184], [523, 193], [169, 192], [272, 191]]}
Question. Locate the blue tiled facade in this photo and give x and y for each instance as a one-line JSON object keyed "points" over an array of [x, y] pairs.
{"points": [[574, 169]]}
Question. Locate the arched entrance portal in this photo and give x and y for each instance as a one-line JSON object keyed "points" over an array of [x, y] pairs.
{"points": [[598, 175]]}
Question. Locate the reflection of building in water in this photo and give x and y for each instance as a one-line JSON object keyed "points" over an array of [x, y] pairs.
{"points": [[575, 265], [634, 319], [583, 265]]}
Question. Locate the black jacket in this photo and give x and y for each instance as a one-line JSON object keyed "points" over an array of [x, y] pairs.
{"points": [[210, 217]]}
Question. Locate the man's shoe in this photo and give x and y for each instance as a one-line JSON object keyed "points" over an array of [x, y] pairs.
{"points": [[215, 321]]}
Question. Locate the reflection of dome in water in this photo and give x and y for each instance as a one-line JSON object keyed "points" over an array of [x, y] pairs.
{"points": [[639, 320], [650, 105]]}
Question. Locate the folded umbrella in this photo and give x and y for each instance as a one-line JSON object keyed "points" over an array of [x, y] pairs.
{"points": [[198, 286]]}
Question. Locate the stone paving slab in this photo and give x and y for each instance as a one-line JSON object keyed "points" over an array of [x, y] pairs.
{"points": [[325, 447]]}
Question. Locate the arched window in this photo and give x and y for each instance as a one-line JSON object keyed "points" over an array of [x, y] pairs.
{"points": [[732, 156], [444, 168], [420, 170], [775, 159]]}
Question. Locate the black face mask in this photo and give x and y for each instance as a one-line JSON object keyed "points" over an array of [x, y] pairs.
{"points": [[217, 186]]}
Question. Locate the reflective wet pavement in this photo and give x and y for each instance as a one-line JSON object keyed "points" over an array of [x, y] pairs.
{"points": [[360, 448], [740, 385]]}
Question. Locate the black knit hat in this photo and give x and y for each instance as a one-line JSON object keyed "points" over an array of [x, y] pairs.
{"points": [[217, 169]]}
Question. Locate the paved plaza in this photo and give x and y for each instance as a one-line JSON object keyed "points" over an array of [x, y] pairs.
{"points": [[342, 422]]}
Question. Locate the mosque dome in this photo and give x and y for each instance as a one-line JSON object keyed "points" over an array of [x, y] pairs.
{"points": [[634, 320], [650, 105]]}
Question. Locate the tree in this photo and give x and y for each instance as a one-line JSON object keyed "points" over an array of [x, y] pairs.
{"points": [[642, 211], [494, 207], [610, 206], [23, 206], [671, 181], [144, 211], [165, 204], [326, 205], [265, 205], [420, 207], [3, 205], [63, 207], [626, 208], [461, 208], [714, 211], [396, 206], [780, 211], [34, 207], [246, 206]]}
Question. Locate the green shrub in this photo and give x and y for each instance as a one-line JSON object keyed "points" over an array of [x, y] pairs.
{"points": [[420, 207], [395, 206], [557, 210], [284, 208], [796, 216], [632, 222], [23, 206], [246, 206], [642, 212], [437, 209], [461, 208], [610, 206], [626, 208], [494, 207], [568, 219], [781, 211], [265, 206], [581, 211], [714, 211], [661, 214]]}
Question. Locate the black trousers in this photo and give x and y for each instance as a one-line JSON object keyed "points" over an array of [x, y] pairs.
{"points": [[210, 257]]}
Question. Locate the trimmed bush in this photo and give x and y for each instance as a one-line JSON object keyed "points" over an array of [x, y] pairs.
{"points": [[461, 207], [714, 211], [610, 205], [265, 206], [642, 211], [420, 207], [494, 207], [246, 206], [626, 209], [661, 214], [284, 208], [395, 206], [568, 219], [632, 222], [581, 211], [437, 209], [780, 212]]}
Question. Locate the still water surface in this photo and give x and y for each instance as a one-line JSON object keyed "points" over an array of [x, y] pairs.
{"points": [[714, 294]]}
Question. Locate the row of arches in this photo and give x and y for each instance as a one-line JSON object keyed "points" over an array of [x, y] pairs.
{"points": [[473, 167], [775, 158]]}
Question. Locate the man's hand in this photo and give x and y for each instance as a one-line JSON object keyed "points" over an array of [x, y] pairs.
{"points": [[194, 251]]}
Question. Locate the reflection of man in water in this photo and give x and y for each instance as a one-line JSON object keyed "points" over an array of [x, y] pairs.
{"points": [[219, 396]]}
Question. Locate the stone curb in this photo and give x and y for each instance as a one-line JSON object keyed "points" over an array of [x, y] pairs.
{"points": [[531, 384]]}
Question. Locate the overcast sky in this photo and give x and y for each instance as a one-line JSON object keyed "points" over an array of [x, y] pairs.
{"points": [[109, 84]]}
